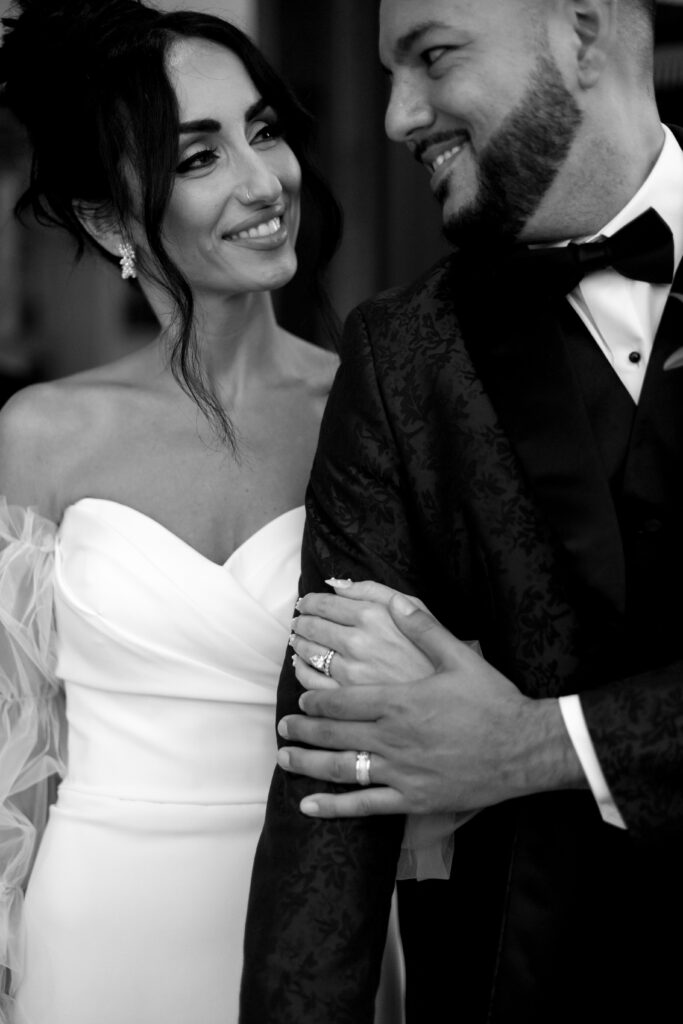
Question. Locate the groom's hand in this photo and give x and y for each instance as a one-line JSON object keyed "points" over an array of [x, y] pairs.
{"points": [[461, 739]]}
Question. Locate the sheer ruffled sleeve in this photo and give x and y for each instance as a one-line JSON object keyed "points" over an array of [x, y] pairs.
{"points": [[32, 728]]}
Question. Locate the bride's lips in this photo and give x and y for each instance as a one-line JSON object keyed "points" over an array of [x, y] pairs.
{"points": [[266, 230]]}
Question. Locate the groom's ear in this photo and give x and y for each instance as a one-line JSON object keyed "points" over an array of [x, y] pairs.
{"points": [[593, 27], [103, 226]]}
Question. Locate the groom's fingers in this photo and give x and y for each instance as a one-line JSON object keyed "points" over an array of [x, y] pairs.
{"points": [[361, 803], [365, 703], [325, 734], [442, 648], [328, 766]]}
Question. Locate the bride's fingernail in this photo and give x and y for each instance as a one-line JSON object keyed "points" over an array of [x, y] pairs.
{"points": [[282, 728], [292, 638], [338, 584], [298, 603], [309, 806]]}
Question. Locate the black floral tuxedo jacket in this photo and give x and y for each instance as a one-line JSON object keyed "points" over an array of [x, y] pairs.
{"points": [[474, 452]]}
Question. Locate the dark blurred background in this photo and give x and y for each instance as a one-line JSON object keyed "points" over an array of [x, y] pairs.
{"points": [[57, 317]]}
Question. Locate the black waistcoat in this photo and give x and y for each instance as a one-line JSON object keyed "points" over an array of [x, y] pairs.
{"points": [[606, 474], [641, 450]]}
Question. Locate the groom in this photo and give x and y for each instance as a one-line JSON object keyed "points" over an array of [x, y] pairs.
{"points": [[505, 440]]}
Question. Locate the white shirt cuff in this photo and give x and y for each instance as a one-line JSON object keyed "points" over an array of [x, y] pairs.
{"points": [[575, 723]]}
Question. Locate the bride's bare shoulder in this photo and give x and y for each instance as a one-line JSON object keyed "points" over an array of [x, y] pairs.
{"points": [[50, 431]]}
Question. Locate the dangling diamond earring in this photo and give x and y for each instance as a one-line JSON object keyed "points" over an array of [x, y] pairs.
{"points": [[127, 261]]}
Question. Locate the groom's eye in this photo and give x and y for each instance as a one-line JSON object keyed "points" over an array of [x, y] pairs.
{"points": [[433, 54]]}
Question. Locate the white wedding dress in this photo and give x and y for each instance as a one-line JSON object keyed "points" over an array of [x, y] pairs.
{"points": [[136, 903]]}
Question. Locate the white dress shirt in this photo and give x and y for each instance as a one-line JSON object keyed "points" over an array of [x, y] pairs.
{"points": [[623, 315]]}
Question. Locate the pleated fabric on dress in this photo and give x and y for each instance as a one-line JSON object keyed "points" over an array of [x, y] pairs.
{"points": [[136, 903]]}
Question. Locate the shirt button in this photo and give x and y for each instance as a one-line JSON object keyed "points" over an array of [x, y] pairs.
{"points": [[634, 357]]}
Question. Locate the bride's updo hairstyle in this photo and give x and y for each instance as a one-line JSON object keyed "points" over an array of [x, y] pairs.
{"points": [[87, 79]]}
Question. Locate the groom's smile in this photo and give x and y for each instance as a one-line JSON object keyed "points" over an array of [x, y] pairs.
{"points": [[479, 99]]}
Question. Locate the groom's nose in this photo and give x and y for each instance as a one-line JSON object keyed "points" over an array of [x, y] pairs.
{"points": [[409, 109]]}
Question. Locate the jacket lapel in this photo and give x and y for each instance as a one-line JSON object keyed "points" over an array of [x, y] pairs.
{"points": [[660, 410], [519, 350]]}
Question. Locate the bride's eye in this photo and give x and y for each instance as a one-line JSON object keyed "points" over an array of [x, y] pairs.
{"points": [[197, 161], [266, 131]]}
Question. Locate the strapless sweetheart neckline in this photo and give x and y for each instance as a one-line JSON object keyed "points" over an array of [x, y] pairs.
{"points": [[169, 663], [258, 535]]}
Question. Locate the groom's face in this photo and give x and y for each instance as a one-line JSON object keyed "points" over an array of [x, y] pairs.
{"points": [[481, 102]]}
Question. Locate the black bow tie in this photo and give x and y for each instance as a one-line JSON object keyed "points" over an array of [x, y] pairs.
{"points": [[642, 250]]}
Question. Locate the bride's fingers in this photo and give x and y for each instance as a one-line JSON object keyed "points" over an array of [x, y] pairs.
{"points": [[331, 607], [357, 636], [369, 590], [363, 590], [311, 678], [325, 662], [349, 602], [313, 653], [321, 632]]}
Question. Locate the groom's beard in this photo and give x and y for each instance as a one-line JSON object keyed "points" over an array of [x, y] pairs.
{"points": [[519, 163]]}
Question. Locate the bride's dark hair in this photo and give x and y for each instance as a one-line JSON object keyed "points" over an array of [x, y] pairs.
{"points": [[88, 80]]}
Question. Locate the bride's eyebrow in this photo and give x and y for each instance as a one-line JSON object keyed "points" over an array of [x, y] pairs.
{"points": [[256, 108], [207, 125]]}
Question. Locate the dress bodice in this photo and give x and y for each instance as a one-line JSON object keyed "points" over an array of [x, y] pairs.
{"points": [[169, 660], [145, 675]]}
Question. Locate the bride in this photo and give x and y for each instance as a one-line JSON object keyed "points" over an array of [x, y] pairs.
{"points": [[151, 532]]}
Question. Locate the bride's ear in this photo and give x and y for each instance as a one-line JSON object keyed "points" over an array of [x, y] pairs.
{"points": [[102, 226]]}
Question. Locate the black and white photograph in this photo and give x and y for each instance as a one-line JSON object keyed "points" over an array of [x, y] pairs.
{"points": [[341, 505]]}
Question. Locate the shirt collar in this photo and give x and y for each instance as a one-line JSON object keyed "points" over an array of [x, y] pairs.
{"points": [[663, 190]]}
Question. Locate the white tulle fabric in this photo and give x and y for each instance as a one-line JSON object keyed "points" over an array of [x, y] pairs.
{"points": [[32, 726]]}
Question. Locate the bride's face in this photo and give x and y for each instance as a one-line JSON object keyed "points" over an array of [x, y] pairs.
{"points": [[233, 214]]}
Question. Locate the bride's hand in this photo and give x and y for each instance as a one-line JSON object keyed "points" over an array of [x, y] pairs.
{"points": [[355, 624]]}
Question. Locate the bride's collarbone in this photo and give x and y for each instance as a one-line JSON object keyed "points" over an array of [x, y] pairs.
{"points": [[208, 497], [101, 438]]}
